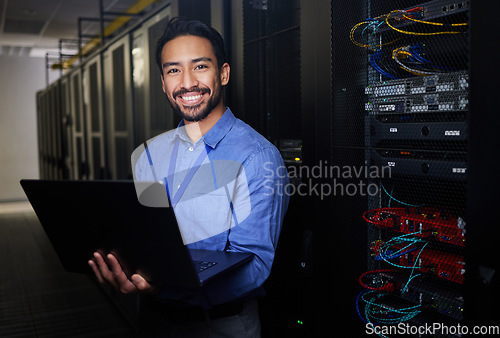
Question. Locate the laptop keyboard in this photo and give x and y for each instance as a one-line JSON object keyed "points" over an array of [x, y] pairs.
{"points": [[200, 266]]}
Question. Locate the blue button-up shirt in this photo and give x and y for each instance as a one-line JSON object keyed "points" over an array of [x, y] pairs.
{"points": [[234, 199]]}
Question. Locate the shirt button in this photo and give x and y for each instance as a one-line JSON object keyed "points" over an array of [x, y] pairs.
{"points": [[191, 148]]}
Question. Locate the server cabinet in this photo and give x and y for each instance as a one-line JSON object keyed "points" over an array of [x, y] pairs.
{"points": [[52, 123], [78, 144], [272, 61], [152, 113], [66, 125], [396, 172], [47, 126], [41, 103], [117, 84], [196, 9], [267, 94], [94, 118]]}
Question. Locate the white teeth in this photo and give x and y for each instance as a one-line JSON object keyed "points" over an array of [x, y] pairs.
{"points": [[191, 98]]}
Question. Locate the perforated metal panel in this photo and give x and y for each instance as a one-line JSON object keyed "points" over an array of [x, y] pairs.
{"points": [[272, 68], [400, 102]]}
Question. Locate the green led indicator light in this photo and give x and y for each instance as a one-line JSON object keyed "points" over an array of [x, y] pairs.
{"points": [[300, 322]]}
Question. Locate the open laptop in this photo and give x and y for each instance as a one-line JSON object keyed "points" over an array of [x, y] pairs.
{"points": [[81, 217]]}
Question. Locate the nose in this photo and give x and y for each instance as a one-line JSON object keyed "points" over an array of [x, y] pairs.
{"points": [[189, 80]]}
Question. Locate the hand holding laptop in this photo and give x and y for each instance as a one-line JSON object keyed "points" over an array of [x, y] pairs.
{"points": [[111, 272], [145, 245]]}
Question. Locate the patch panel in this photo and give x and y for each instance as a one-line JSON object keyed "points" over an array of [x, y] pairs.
{"points": [[420, 259], [441, 8], [430, 223], [420, 103], [455, 6], [431, 294], [446, 82], [436, 103], [443, 265]]}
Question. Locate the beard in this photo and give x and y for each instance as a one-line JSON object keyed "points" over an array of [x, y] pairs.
{"points": [[197, 112]]}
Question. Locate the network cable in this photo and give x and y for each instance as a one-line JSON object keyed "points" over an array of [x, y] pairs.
{"points": [[376, 310], [403, 240], [439, 24], [409, 58], [413, 15], [391, 197]]}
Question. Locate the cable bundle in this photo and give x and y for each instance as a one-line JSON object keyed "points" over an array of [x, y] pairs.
{"points": [[409, 58]]}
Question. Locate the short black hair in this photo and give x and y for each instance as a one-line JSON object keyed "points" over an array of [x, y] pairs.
{"points": [[180, 26]]}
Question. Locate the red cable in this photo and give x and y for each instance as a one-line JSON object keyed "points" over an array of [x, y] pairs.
{"points": [[388, 287]]}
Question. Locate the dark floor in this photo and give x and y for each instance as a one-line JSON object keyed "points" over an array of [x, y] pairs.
{"points": [[37, 297]]}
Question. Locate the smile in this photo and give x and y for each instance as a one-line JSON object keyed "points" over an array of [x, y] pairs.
{"points": [[191, 98]]}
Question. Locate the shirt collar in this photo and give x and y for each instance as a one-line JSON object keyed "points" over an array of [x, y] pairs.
{"points": [[220, 129], [214, 135]]}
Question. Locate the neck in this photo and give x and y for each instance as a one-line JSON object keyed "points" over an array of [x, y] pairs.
{"points": [[195, 130]]}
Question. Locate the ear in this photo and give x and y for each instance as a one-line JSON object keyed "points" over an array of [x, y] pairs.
{"points": [[224, 74]]}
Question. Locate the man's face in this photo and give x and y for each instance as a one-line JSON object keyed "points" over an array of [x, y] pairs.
{"points": [[191, 78]]}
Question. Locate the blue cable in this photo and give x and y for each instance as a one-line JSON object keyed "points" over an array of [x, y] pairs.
{"points": [[398, 315], [393, 198], [373, 62], [398, 240]]}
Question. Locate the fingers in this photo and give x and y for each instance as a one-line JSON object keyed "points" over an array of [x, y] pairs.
{"points": [[96, 271], [109, 271], [103, 273], [143, 285], [117, 272], [139, 282], [100, 268]]}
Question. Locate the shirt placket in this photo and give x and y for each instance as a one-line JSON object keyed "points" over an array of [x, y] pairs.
{"points": [[186, 158]]}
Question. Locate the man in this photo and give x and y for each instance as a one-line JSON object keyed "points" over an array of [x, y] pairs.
{"points": [[226, 183]]}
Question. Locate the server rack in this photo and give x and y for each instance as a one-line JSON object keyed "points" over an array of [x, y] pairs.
{"points": [[118, 108], [94, 117], [50, 126], [79, 149], [272, 59], [40, 108], [67, 137], [152, 113], [416, 127], [405, 251], [267, 94], [402, 125]]}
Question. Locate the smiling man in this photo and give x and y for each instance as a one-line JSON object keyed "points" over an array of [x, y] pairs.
{"points": [[191, 83], [216, 170]]}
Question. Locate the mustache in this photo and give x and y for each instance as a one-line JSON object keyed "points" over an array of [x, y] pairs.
{"points": [[196, 89]]}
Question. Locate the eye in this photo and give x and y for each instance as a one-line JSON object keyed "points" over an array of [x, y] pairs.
{"points": [[201, 67], [172, 71]]}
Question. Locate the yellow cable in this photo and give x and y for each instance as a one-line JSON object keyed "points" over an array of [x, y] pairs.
{"points": [[414, 33], [351, 36], [434, 23], [396, 52]]}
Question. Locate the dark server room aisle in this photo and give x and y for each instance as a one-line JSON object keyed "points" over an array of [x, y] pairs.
{"points": [[37, 297]]}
